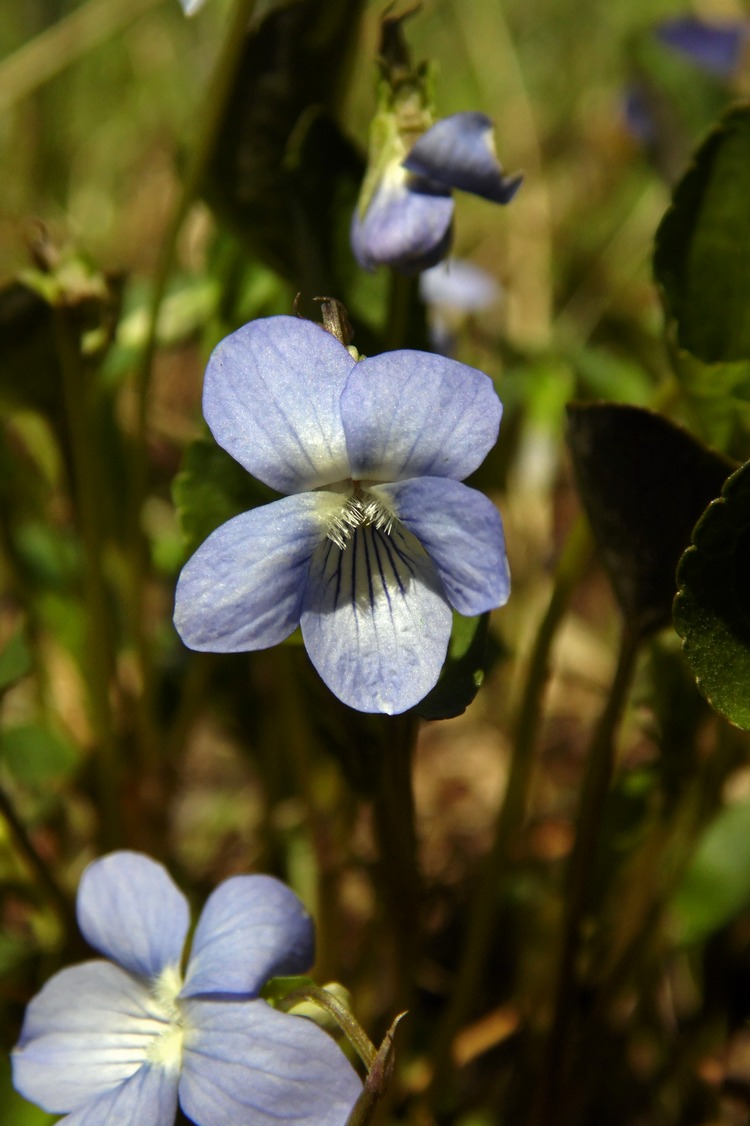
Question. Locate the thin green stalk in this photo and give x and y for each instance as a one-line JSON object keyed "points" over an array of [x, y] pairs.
{"points": [[225, 70], [405, 325], [100, 632], [54, 891], [485, 903], [601, 759], [393, 808], [351, 1028], [62, 44]]}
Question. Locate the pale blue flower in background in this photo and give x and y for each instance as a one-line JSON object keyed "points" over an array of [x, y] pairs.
{"points": [[377, 539], [459, 285], [126, 1040], [716, 47], [190, 7], [454, 290], [407, 223]]}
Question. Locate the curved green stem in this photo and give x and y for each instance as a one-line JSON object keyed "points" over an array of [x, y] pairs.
{"points": [[100, 630], [513, 809], [405, 325], [351, 1028], [397, 846], [224, 74], [62, 903], [546, 1110]]}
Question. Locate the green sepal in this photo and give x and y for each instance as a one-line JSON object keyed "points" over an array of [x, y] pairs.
{"points": [[275, 990], [377, 1081], [712, 607]]}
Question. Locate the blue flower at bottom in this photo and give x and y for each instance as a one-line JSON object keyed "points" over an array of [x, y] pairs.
{"points": [[408, 221], [123, 1041], [377, 538]]}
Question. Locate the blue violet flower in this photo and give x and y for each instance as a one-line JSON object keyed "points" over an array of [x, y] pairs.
{"points": [[377, 539], [713, 47], [405, 214], [126, 1040]]}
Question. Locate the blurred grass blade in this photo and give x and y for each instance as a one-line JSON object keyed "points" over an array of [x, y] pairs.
{"points": [[60, 45]]}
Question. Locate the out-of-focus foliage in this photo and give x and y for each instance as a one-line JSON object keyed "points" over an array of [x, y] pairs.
{"points": [[460, 898]]}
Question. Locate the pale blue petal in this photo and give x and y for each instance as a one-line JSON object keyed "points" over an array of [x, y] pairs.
{"points": [[243, 587], [85, 1033], [252, 928], [148, 1099], [459, 152], [714, 47], [376, 621], [461, 531], [271, 396], [190, 7], [408, 225], [130, 909], [415, 414], [246, 1064], [459, 286]]}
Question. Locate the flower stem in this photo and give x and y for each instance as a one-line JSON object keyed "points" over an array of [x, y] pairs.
{"points": [[405, 326], [546, 1109], [61, 902], [512, 812], [351, 1028], [225, 69], [100, 631], [393, 809]]}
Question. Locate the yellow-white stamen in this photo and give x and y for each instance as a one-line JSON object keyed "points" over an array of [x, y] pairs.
{"points": [[165, 1050], [360, 508]]}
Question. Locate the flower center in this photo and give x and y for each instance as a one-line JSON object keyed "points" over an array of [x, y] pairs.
{"points": [[361, 508], [165, 1050]]}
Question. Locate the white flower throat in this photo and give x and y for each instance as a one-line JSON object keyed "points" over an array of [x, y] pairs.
{"points": [[362, 507], [165, 1048]]}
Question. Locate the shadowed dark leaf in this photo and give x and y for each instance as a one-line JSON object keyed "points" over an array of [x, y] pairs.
{"points": [[644, 482], [700, 258], [712, 608]]}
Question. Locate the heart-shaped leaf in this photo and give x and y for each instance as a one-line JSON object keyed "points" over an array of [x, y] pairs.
{"points": [[700, 256], [644, 482], [712, 608], [211, 488]]}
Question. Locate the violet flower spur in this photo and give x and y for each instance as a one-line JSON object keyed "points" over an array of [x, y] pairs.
{"points": [[406, 219], [377, 538], [124, 1041]]}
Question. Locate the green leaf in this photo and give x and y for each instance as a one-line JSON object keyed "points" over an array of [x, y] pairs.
{"points": [[281, 162], [471, 651], [211, 488], [715, 887], [718, 396], [700, 257], [15, 660], [712, 608], [29, 366], [644, 482], [36, 756]]}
